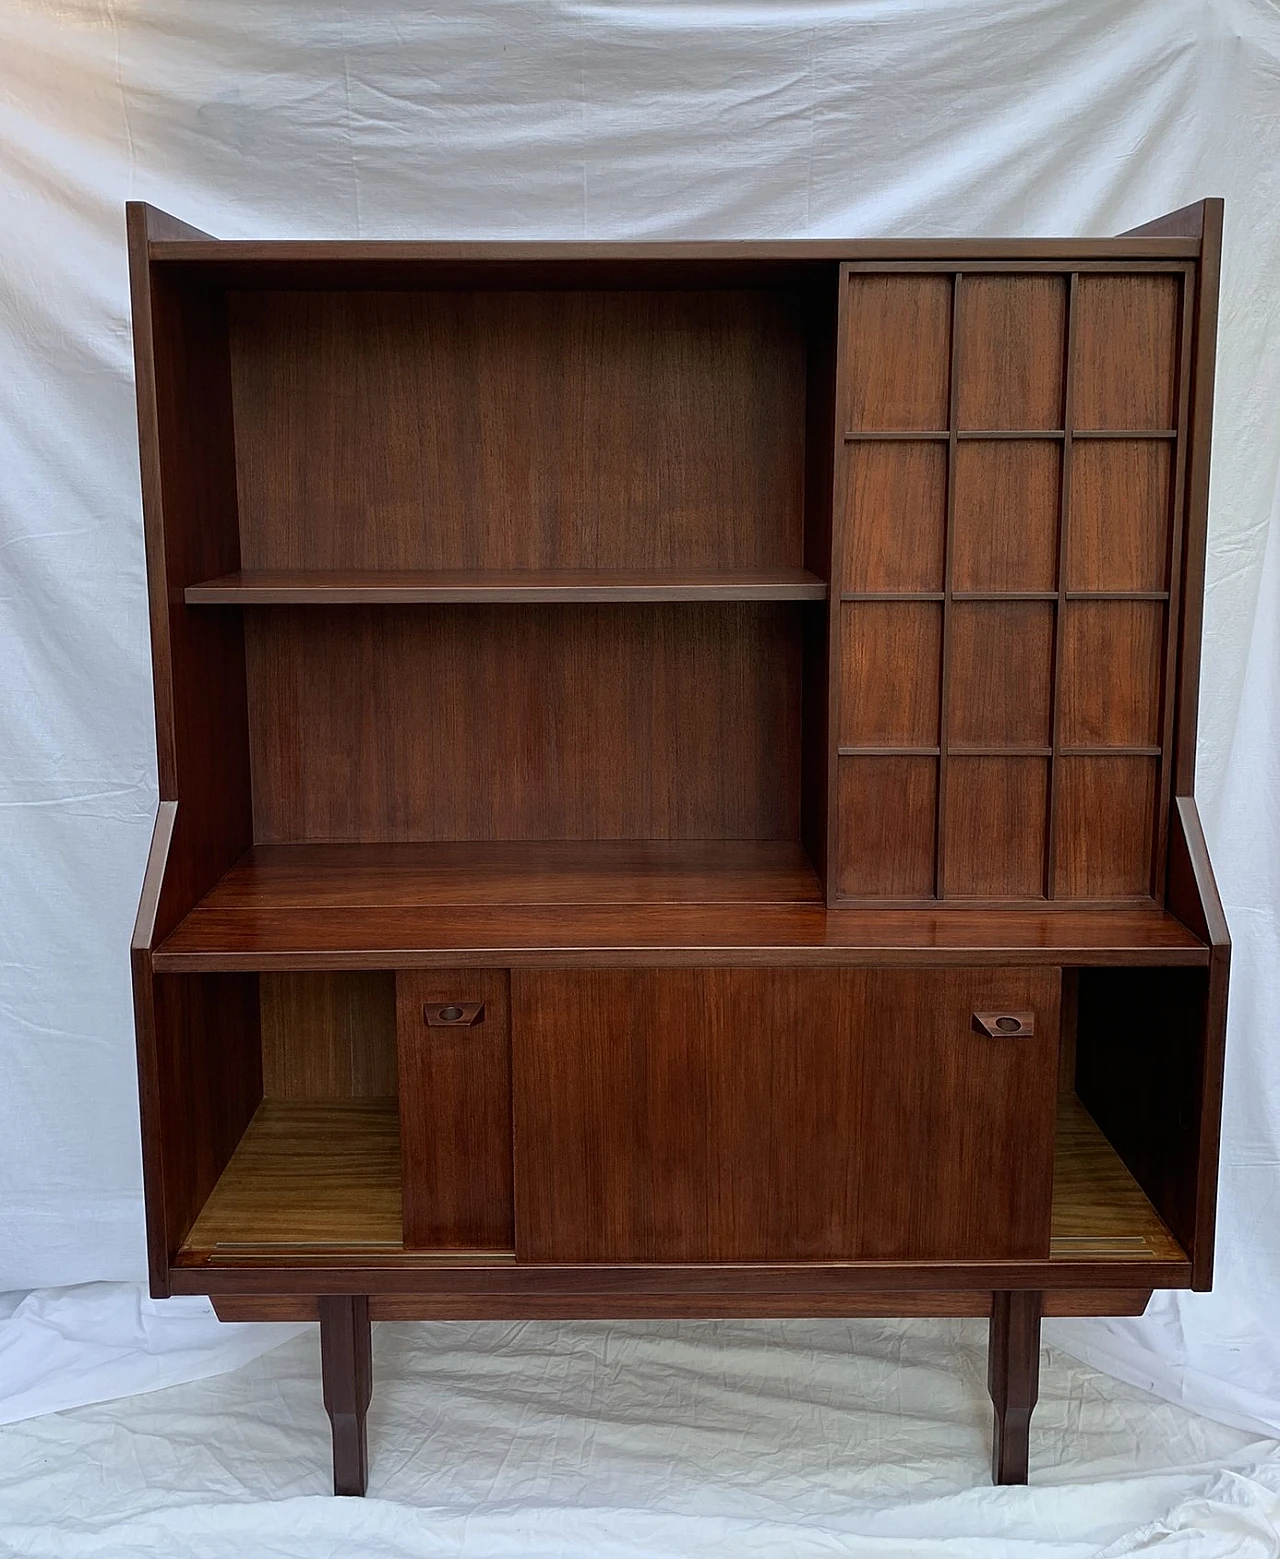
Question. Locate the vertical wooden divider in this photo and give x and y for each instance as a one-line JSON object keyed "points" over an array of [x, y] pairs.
{"points": [[948, 544], [1173, 583], [1059, 613]]}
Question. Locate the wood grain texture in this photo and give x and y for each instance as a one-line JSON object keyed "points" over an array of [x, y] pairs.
{"points": [[1193, 895], [503, 873], [648, 1128], [889, 667], [894, 515], [629, 722], [1005, 521], [208, 1083], [1196, 494], [187, 460], [1013, 1379], [1099, 1208], [1012, 336], [400, 587], [676, 1306], [996, 818], [516, 430], [1000, 674], [455, 1112], [1149, 1069], [319, 1176], [887, 811], [1126, 351], [1106, 813], [897, 351], [1110, 677], [346, 1371], [267, 935], [1121, 496], [328, 1036], [280, 1195]]}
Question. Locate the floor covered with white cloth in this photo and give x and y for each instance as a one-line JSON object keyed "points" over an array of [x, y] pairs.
{"points": [[733, 1438]]}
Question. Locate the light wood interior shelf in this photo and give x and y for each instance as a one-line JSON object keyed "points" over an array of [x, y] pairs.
{"points": [[399, 587], [310, 1177]]}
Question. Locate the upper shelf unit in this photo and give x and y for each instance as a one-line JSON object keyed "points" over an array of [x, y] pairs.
{"points": [[400, 587]]}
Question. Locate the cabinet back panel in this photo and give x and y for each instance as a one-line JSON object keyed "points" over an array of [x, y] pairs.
{"points": [[328, 1036], [519, 430], [525, 722]]}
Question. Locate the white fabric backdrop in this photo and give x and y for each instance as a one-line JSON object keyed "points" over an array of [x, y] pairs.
{"points": [[566, 118]]}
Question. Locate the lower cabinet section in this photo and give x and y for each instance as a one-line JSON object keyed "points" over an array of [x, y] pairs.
{"points": [[536, 1121], [783, 1114]]}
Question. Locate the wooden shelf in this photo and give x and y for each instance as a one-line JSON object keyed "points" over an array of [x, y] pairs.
{"points": [[397, 587], [1099, 1209], [309, 1175], [326, 1177], [608, 904]]}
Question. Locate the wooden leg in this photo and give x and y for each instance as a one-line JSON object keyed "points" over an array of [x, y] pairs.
{"points": [[1013, 1378], [346, 1369]]}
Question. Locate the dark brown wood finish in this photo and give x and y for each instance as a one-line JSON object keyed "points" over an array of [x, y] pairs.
{"points": [[521, 430], [358, 929], [1013, 1378], [462, 587], [1047, 601], [328, 1036], [429, 1307], [1150, 1058], [490, 722], [188, 463], [346, 1368], [720, 1116], [730, 679], [455, 1112]]}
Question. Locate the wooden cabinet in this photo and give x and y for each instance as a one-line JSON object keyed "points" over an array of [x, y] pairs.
{"points": [[676, 772]]}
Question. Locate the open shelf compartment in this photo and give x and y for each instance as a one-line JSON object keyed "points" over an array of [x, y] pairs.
{"points": [[325, 1177]]}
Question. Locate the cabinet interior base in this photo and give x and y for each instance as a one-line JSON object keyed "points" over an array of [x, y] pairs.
{"points": [[324, 1179]]}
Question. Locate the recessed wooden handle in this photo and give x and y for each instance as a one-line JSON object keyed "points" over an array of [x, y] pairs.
{"points": [[1005, 1025], [453, 1014]]}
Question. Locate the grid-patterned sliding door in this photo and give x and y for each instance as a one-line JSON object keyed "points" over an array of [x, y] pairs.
{"points": [[1008, 528]]}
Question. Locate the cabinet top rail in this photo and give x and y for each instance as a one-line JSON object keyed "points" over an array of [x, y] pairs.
{"points": [[304, 251]]}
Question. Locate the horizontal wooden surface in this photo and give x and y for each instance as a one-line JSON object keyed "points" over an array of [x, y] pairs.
{"points": [[658, 871], [227, 251], [309, 1174], [675, 1306], [608, 904], [398, 587], [1099, 1210], [322, 1182]]}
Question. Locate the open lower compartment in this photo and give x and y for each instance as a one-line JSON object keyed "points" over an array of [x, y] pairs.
{"points": [[316, 1166]]}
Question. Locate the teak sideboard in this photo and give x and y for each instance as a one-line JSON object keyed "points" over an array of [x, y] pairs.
{"points": [[676, 769]]}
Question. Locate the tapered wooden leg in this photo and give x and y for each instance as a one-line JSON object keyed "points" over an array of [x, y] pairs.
{"points": [[346, 1369], [1013, 1378]]}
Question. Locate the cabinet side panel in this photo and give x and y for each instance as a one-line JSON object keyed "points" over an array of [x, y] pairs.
{"points": [[189, 499], [1140, 1048], [208, 1084], [455, 1110]]}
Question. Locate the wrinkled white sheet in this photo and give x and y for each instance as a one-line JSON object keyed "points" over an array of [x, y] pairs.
{"points": [[716, 1440], [570, 118]]}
